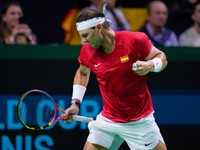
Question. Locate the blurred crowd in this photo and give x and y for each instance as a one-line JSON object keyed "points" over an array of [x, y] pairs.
{"points": [[149, 16]]}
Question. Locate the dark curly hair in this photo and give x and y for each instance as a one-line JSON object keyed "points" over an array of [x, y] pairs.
{"points": [[88, 13]]}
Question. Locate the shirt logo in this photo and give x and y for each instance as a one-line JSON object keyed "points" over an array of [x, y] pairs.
{"points": [[124, 59], [96, 65], [147, 144]]}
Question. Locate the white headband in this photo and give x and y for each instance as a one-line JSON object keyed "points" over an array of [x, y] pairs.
{"points": [[90, 23], [93, 22]]}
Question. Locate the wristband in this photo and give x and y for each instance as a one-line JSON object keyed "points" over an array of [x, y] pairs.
{"points": [[75, 102], [157, 62], [78, 92]]}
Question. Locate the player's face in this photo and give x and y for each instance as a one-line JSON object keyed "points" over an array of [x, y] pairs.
{"points": [[92, 37], [12, 15], [158, 15]]}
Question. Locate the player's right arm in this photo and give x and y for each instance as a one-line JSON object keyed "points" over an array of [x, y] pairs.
{"points": [[81, 80]]}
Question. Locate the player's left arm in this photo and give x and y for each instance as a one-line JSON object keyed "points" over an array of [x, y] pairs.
{"points": [[156, 61]]}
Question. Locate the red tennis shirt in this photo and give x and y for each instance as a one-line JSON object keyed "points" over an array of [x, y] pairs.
{"points": [[125, 94]]}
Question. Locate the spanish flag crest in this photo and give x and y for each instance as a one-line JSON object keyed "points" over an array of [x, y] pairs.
{"points": [[124, 59]]}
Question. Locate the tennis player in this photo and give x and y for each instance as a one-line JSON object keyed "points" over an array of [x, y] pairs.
{"points": [[120, 60]]}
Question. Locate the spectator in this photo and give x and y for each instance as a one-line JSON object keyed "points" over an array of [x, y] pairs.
{"points": [[191, 36], [11, 30], [114, 14], [155, 26]]}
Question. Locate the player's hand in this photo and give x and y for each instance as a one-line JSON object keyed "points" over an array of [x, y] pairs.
{"points": [[72, 110], [142, 67]]}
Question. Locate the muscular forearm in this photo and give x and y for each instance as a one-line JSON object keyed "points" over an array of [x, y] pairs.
{"points": [[81, 77], [81, 80]]}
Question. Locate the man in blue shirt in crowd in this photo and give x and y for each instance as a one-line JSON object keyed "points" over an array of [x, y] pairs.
{"points": [[155, 25]]}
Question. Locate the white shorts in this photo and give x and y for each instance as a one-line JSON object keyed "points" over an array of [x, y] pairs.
{"points": [[143, 134]]}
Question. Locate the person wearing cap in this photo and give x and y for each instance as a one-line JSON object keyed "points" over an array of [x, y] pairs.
{"points": [[120, 60]]}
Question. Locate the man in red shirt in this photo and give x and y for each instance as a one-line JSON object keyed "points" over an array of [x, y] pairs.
{"points": [[120, 60]]}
